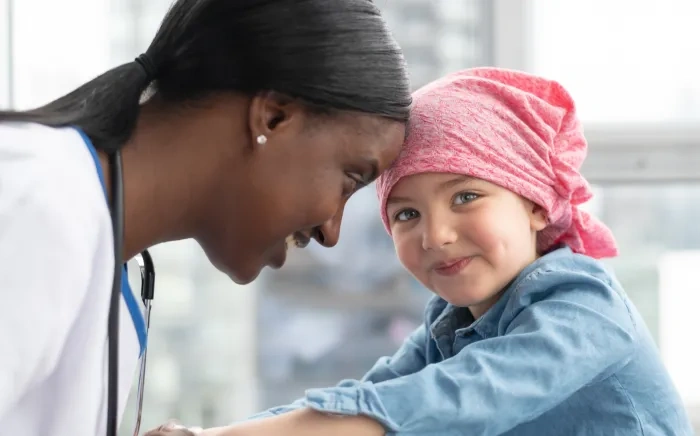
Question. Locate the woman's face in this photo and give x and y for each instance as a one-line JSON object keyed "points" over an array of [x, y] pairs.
{"points": [[296, 185]]}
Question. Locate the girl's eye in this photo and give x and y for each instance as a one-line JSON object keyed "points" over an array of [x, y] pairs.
{"points": [[406, 214], [465, 197]]}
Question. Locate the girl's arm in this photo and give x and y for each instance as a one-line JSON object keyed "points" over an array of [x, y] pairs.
{"points": [[304, 421], [578, 331], [409, 359]]}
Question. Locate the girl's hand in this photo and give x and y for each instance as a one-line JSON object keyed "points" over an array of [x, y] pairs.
{"points": [[173, 429]]}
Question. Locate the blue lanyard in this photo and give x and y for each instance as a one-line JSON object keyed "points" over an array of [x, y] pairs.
{"points": [[131, 302]]}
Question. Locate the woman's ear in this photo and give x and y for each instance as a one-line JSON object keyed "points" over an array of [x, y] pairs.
{"points": [[271, 114]]}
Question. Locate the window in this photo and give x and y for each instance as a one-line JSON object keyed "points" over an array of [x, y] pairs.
{"points": [[659, 256], [624, 61], [5, 54], [440, 36], [57, 50], [220, 352]]}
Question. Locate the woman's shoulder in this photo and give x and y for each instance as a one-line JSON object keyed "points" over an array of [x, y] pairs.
{"points": [[36, 159], [55, 246], [49, 184], [34, 147]]}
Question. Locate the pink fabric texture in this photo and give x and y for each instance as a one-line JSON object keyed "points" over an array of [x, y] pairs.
{"points": [[512, 129]]}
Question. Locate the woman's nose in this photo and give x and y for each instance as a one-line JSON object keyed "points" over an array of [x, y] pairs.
{"points": [[328, 233]]}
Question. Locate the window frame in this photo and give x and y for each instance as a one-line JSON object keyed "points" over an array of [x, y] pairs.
{"points": [[6, 54], [617, 153]]}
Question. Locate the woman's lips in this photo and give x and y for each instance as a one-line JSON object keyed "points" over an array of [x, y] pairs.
{"points": [[279, 256]]}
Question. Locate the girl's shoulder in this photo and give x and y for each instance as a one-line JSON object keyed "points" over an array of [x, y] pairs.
{"points": [[563, 278]]}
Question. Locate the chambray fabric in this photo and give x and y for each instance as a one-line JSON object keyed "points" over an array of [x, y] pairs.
{"points": [[563, 352]]}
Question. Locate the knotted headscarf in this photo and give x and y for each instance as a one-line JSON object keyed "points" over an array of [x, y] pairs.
{"points": [[515, 130]]}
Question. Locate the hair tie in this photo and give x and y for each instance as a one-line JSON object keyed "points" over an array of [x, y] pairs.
{"points": [[147, 65]]}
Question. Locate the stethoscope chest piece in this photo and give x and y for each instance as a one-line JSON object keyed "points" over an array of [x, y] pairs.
{"points": [[148, 278]]}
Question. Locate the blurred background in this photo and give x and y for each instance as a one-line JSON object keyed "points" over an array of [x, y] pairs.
{"points": [[220, 352]]}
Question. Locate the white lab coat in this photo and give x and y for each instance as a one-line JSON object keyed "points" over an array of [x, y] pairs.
{"points": [[56, 269]]}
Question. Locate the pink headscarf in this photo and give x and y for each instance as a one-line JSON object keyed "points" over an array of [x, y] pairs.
{"points": [[512, 129]]}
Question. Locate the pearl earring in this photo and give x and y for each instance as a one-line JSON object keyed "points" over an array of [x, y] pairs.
{"points": [[261, 139]]}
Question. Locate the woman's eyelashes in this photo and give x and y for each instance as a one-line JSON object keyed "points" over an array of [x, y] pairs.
{"points": [[353, 182]]}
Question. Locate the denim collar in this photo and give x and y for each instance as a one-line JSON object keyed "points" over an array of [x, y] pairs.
{"points": [[459, 319]]}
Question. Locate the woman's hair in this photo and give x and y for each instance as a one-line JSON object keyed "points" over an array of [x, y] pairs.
{"points": [[331, 54]]}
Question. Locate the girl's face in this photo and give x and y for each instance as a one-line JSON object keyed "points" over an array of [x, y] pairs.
{"points": [[464, 238]]}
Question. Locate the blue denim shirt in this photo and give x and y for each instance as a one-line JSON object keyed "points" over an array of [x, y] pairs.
{"points": [[562, 352]]}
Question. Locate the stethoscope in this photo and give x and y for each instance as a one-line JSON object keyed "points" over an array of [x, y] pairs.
{"points": [[148, 277]]}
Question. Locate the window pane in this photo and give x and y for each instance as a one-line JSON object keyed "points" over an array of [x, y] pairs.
{"points": [[660, 254], [330, 313], [623, 60], [440, 36], [5, 60], [57, 50]]}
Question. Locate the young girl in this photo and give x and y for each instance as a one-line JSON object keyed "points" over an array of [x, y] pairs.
{"points": [[528, 333]]}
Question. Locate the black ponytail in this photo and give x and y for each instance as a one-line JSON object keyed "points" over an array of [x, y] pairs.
{"points": [[335, 55], [105, 108]]}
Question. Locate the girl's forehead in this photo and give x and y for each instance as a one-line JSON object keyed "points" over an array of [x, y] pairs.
{"points": [[431, 180]]}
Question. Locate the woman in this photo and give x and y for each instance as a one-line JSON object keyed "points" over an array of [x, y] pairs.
{"points": [[244, 123]]}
